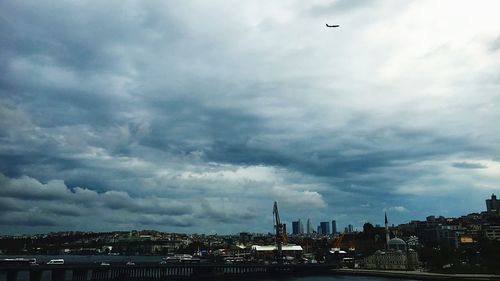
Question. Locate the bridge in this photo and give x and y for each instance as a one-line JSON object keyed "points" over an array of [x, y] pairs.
{"points": [[93, 272]]}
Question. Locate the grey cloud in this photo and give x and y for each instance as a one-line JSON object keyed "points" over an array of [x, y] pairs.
{"points": [[495, 46], [121, 200], [234, 216], [467, 165], [118, 107], [26, 219], [341, 6]]}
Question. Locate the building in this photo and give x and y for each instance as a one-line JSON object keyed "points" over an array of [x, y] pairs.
{"points": [[334, 226], [325, 227], [268, 251], [492, 232], [492, 204], [297, 227], [309, 229], [351, 228], [397, 257]]}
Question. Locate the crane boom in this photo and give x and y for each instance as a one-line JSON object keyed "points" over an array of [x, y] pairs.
{"points": [[278, 226]]}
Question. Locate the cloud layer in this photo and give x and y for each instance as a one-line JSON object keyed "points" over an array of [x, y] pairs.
{"points": [[195, 117]]}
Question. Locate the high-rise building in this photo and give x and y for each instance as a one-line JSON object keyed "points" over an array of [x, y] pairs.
{"points": [[296, 227], [309, 229], [351, 228], [334, 226], [492, 204], [325, 227]]}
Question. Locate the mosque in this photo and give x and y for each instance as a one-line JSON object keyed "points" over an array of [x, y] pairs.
{"points": [[397, 255]]}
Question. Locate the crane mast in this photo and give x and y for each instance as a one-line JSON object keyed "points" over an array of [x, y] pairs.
{"points": [[279, 236]]}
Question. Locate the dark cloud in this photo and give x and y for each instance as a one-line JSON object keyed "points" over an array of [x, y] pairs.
{"points": [[136, 113], [25, 219]]}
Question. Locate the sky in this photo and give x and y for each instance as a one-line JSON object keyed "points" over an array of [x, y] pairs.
{"points": [[195, 116]]}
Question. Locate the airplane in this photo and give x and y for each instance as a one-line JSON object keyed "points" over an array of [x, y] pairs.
{"points": [[333, 25]]}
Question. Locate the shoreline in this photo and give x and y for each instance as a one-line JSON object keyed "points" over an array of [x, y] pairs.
{"points": [[417, 275]]}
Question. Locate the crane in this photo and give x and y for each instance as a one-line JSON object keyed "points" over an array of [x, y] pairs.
{"points": [[280, 236], [338, 243]]}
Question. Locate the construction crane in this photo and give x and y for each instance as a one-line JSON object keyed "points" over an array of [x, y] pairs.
{"points": [[280, 236], [338, 243]]}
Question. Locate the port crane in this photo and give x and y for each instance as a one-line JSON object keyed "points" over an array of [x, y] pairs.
{"points": [[280, 234], [338, 243]]}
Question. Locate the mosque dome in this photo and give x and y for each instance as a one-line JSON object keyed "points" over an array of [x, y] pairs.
{"points": [[397, 241], [397, 244]]}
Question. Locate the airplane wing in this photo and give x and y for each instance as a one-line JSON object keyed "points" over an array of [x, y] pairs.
{"points": [[334, 25]]}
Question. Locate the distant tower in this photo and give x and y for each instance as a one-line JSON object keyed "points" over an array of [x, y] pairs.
{"points": [[296, 227], [351, 228], [325, 227], [309, 227], [386, 231], [334, 226], [492, 204]]}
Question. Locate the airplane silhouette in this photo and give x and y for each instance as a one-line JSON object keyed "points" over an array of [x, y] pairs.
{"points": [[334, 25]]}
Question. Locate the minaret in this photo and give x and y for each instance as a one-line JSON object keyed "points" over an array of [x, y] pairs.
{"points": [[386, 231]]}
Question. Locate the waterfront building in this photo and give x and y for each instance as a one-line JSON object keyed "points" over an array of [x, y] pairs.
{"points": [[492, 204], [325, 227], [396, 257], [334, 226], [268, 251]]}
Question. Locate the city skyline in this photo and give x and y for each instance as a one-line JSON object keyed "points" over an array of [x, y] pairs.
{"points": [[196, 117]]}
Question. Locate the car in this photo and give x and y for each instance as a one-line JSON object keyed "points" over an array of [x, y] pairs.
{"points": [[130, 263], [105, 263], [56, 261]]}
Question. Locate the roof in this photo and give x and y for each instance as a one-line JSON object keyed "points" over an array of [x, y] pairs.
{"points": [[273, 248], [396, 241]]}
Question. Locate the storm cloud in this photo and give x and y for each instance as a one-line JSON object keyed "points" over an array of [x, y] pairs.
{"points": [[195, 117]]}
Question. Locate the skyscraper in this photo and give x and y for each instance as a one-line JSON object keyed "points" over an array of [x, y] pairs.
{"points": [[296, 227], [325, 227], [334, 226], [309, 229], [351, 228]]}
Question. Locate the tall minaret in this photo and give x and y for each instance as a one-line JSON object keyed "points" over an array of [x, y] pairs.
{"points": [[386, 232]]}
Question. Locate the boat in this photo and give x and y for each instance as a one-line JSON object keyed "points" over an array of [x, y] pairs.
{"points": [[18, 261], [56, 261]]}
